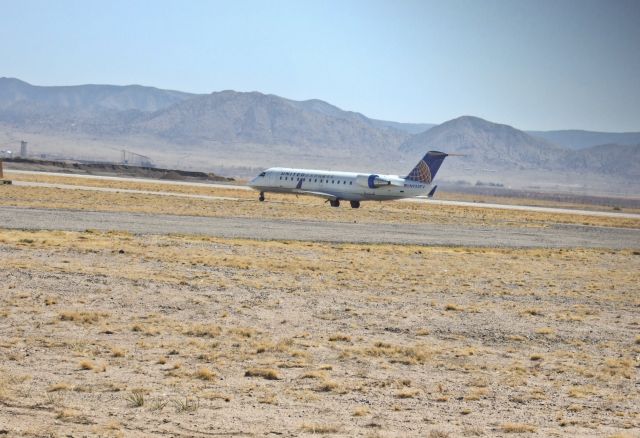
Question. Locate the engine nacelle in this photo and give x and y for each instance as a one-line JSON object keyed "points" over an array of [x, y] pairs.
{"points": [[372, 181]]}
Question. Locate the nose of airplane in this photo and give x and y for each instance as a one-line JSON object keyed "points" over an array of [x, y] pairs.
{"points": [[254, 181], [258, 179]]}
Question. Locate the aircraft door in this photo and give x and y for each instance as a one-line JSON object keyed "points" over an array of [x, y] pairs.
{"points": [[274, 179]]}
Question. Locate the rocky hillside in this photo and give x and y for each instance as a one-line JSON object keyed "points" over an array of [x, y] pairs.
{"points": [[611, 159], [486, 143], [256, 118], [496, 147], [17, 95], [226, 117], [578, 139], [256, 130]]}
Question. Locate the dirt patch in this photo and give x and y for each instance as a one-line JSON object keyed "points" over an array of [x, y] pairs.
{"points": [[114, 334]]}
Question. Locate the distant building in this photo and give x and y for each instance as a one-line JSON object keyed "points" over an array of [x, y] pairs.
{"points": [[134, 159]]}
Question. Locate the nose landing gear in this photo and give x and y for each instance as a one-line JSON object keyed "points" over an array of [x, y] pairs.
{"points": [[261, 197]]}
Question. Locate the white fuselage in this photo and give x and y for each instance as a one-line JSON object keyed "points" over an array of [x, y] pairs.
{"points": [[348, 186]]}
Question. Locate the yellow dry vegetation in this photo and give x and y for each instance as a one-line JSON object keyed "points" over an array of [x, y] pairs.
{"points": [[242, 203], [207, 190], [211, 327]]}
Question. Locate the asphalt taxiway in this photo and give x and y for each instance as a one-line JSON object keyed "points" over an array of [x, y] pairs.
{"points": [[553, 236]]}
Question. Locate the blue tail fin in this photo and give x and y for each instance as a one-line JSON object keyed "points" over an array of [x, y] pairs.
{"points": [[425, 171]]}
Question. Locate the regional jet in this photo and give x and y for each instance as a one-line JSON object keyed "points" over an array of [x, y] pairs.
{"points": [[351, 186]]}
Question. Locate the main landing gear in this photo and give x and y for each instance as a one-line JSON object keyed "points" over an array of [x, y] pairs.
{"points": [[261, 197], [336, 203]]}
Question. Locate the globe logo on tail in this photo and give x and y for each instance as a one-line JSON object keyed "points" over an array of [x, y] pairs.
{"points": [[427, 168], [421, 173]]}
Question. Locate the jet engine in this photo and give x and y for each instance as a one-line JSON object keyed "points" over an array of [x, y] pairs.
{"points": [[372, 181]]}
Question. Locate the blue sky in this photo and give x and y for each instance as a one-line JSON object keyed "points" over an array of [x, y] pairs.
{"points": [[532, 64]]}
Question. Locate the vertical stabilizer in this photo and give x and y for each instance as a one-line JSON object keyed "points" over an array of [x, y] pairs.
{"points": [[426, 169]]}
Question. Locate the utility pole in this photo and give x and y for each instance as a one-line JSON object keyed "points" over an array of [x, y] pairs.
{"points": [[2, 180]]}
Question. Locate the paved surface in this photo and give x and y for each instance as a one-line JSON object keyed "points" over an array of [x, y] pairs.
{"points": [[423, 234], [125, 179], [528, 208]]}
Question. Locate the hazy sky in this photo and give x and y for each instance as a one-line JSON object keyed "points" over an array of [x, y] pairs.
{"points": [[532, 64]]}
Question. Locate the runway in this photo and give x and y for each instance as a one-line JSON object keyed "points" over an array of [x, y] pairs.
{"points": [[553, 236], [126, 179]]}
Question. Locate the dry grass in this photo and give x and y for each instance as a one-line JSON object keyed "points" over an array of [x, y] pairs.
{"points": [[82, 317], [349, 344], [360, 411], [453, 307], [118, 352], [86, 364], [545, 331], [319, 428], [136, 398], [404, 354], [60, 386], [476, 394], [327, 385], [340, 337], [243, 203], [265, 373], [517, 428], [204, 373], [169, 186], [203, 330], [67, 414], [407, 393]]}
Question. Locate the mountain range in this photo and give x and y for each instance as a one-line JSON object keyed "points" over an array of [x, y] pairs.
{"points": [[255, 129]]}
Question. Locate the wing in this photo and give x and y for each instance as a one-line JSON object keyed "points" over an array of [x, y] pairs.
{"points": [[319, 194]]}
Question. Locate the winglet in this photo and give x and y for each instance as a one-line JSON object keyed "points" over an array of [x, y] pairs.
{"points": [[432, 192]]}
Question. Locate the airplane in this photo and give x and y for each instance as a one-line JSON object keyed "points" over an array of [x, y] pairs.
{"points": [[351, 186]]}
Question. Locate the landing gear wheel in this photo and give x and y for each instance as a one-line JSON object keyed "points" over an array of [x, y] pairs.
{"points": [[335, 203], [355, 204], [261, 198]]}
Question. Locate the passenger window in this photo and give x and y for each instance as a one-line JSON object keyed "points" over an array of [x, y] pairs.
{"points": [[350, 183]]}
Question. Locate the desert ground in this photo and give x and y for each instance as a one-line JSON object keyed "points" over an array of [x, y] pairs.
{"points": [[118, 333]]}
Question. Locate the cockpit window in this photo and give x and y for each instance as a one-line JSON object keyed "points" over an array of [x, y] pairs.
{"points": [[263, 174]]}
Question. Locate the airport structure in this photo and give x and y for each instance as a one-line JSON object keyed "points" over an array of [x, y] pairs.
{"points": [[134, 159]]}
